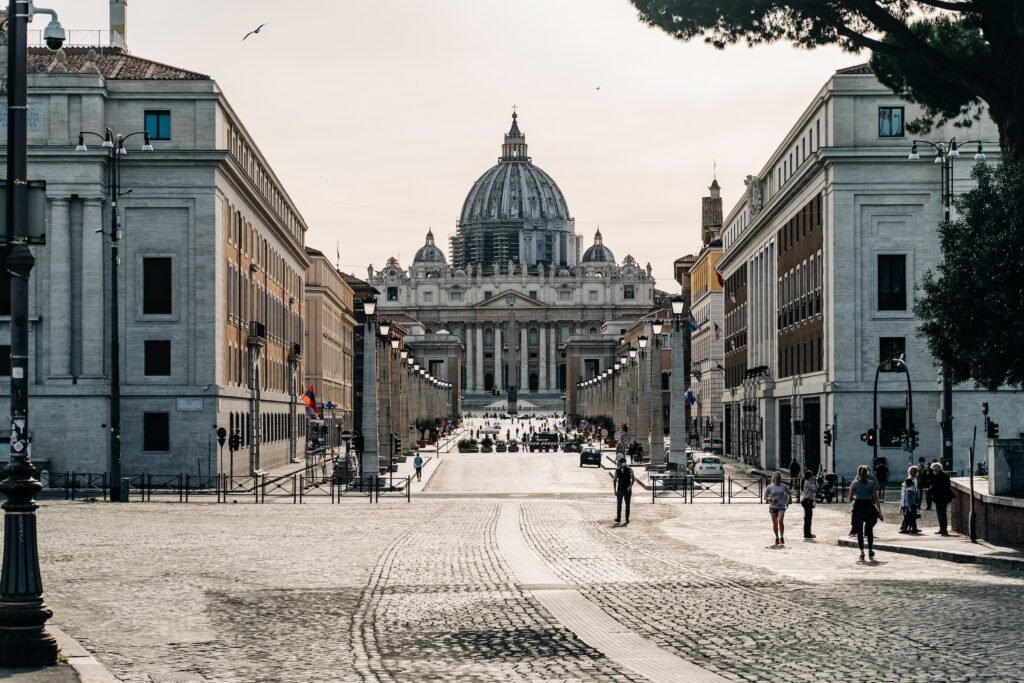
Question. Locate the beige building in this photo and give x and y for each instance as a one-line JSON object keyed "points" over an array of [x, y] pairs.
{"points": [[329, 334]]}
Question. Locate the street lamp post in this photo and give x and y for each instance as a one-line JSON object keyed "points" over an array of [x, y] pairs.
{"points": [[114, 145], [677, 400], [874, 407], [23, 615], [658, 403], [643, 397], [946, 152], [369, 459]]}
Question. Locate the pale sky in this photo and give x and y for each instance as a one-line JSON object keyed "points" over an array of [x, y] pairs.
{"points": [[379, 115]]}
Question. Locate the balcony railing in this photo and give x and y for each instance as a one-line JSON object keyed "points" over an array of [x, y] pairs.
{"points": [[80, 38]]}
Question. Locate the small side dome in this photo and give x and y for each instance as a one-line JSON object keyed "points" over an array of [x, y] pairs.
{"points": [[429, 253], [598, 253]]}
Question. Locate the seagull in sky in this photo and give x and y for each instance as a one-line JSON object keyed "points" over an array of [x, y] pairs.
{"points": [[255, 30], [597, 88]]}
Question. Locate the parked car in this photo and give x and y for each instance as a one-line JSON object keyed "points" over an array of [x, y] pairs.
{"points": [[544, 441], [713, 446], [590, 456], [708, 467]]}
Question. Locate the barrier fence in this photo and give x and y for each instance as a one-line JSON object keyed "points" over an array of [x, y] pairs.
{"points": [[729, 490], [294, 488]]}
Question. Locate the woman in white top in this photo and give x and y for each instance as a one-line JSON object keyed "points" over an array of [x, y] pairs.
{"points": [[776, 495]]}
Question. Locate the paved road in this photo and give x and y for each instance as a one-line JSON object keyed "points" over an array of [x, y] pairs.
{"points": [[490, 588]]}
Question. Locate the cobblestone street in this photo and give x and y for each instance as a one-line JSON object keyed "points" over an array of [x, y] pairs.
{"points": [[491, 588]]}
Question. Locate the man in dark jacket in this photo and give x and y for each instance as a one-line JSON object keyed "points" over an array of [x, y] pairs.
{"points": [[622, 484], [942, 494]]}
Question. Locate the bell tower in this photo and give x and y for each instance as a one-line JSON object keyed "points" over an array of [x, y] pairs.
{"points": [[118, 21]]}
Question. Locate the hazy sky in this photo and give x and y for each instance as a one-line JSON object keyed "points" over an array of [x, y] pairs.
{"points": [[379, 115]]}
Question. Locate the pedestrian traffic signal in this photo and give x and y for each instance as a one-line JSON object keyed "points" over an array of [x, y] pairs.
{"points": [[993, 430], [915, 441], [828, 436], [984, 408], [869, 437], [235, 441]]}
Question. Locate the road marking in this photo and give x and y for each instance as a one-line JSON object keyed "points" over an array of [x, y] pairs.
{"points": [[589, 622]]}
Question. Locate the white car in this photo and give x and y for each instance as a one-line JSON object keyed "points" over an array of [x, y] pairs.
{"points": [[713, 446], [708, 467]]}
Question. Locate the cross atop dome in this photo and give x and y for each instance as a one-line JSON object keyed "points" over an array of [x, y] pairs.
{"points": [[514, 148]]}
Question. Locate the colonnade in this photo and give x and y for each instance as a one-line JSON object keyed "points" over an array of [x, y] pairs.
{"points": [[475, 339]]}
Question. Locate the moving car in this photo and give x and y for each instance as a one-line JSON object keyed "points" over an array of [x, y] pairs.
{"points": [[708, 467], [713, 446], [544, 441], [590, 455]]}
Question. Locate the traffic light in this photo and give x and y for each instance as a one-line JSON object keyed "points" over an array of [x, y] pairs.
{"points": [[828, 436], [915, 441], [235, 441], [868, 437], [984, 408], [993, 430]]}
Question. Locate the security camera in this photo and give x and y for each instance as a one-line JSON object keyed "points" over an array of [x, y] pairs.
{"points": [[53, 34]]}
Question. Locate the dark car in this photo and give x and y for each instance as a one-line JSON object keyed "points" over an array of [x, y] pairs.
{"points": [[544, 441], [590, 456]]}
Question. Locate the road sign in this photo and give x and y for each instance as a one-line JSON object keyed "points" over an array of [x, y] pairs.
{"points": [[222, 435]]}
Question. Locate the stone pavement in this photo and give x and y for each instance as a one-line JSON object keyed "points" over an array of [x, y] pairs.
{"points": [[519, 582]]}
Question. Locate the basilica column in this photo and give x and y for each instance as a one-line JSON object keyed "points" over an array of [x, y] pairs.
{"points": [[478, 365], [93, 299], [553, 358], [497, 357], [524, 359], [542, 357], [60, 282], [470, 376]]}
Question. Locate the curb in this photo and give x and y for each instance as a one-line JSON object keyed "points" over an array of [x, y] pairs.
{"points": [[947, 555], [85, 665]]}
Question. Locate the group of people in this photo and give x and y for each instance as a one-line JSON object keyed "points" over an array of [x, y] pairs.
{"points": [[924, 483]]}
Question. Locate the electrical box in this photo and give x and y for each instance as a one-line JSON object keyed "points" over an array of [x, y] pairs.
{"points": [[36, 212]]}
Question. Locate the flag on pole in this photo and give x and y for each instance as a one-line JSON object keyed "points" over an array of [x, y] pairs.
{"points": [[718, 332], [309, 398], [690, 321], [732, 297], [721, 280], [690, 398]]}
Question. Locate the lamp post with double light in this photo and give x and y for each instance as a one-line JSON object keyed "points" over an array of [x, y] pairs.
{"points": [[946, 153], [115, 149]]}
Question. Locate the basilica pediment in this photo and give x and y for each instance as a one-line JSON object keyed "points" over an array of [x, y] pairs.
{"points": [[500, 301]]}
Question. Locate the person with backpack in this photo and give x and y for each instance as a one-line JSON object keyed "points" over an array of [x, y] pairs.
{"points": [[622, 484], [867, 510], [908, 503]]}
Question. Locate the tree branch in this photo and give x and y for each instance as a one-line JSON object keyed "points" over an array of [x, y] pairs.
{"points": [[952, 6]]}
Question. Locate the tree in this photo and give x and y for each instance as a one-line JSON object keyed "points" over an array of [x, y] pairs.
{"points": [[972, 304], [950, 56]]}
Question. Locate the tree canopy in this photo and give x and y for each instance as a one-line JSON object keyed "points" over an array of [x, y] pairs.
{"points": [[971, 306], [950, 56]]}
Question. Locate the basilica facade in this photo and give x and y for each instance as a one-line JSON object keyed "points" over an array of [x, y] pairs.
{"points": [[516, 286]]}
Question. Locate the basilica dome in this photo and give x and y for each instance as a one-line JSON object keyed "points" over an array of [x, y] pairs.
{"points": [[429, 252], [598, 253], [514, 189]]}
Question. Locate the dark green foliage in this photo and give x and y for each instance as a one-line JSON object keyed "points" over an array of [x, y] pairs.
{"points": [[972, 304], [947, 55]]}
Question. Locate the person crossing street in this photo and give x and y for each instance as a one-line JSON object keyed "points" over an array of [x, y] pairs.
{"points": [[623, 487]]}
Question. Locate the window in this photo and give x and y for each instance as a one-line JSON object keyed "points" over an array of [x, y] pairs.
{"points": [[392, 293], [487, 295], [5, 359], [158, 124], [158, 357], [428, 297], [156, 431], [592, 295], [889, 348], [890, 122], [455, 296], [533, 293], [565, 295], [892, 282], [893, 421], [157, 286], [628, 292]]}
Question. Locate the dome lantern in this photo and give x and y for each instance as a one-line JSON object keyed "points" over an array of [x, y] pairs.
{"points": [[429, 253]]}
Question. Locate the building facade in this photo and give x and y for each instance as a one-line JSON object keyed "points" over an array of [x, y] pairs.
{"points": [[329, 358], [820, 261], [210, 279], [517, 287]]}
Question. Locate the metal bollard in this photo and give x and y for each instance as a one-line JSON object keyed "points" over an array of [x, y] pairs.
{"points": [[124, 488]]}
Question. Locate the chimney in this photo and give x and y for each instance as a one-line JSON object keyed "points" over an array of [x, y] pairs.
{"points": [[119, 21]]}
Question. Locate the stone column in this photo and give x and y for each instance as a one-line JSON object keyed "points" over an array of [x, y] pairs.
{"points": [[553, 358], [60, 288], [644, 401], [677, 401], [478, 364], [93, 299], [470, 375], [657, 408], [524, 360], [369, 463], [497, 357], [542, 357]]}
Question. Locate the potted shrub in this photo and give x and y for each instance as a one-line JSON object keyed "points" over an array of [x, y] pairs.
{"points": [[486, 444], [513, 447], [469, 446], [501, 447]]}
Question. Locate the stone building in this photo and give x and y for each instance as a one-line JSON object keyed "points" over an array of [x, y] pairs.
{"points": [[820, 258], [517, 287], [210, 278], [329, 337]]}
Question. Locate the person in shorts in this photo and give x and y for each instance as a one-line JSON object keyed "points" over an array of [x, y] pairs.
{"points": [[777, 496]]}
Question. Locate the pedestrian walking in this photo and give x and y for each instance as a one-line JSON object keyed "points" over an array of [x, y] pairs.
{"points": [[807, 497], [777, 496], [882, 477], [623, 487], [908, 503], [867, 511], [794, 474], [924, 483], [417, 462], [942, 494]]}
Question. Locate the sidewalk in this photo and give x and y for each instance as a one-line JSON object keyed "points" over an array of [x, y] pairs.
{"points": [[952, 548], [74, 665]]}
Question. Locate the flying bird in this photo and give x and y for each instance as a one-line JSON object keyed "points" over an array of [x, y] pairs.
{"points": [[597, 88], [255, 30]]}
